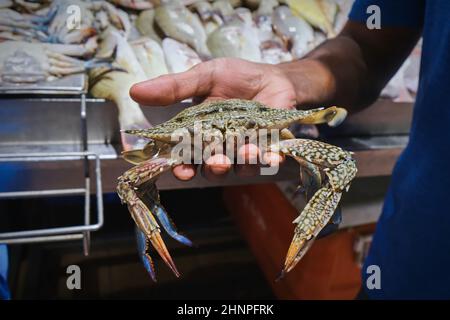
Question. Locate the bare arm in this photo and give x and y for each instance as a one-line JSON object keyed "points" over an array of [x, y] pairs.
{"points": [[351, 69]]}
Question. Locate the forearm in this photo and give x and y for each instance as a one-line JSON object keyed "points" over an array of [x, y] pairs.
{"points": [[331, 74], [334, 73], [351, 69]]}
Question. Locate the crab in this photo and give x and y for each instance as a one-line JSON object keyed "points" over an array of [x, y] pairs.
{"points": [[326, 170]]}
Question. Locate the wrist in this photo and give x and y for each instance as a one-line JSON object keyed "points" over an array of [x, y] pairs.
{"points": [[313, 82]]}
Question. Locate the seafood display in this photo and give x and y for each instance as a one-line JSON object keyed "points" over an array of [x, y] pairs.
{"points": [[263, 31], [170, 36], [330, 169], [119, 42]]}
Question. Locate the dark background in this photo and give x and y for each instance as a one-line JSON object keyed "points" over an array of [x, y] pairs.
{"points": [[219, 267]]}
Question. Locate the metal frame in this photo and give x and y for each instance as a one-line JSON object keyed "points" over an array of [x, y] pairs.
{"points": [[76, 88], [59, 233]]}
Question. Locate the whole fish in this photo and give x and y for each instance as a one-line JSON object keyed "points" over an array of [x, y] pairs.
{"points": [[179, 56], [178, 23]]}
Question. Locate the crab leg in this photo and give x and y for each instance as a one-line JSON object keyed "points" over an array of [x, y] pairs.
{"points": [[339, 169], [149, 194], [143, 217]]}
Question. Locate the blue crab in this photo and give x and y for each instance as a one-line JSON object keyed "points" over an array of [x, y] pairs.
{"points": [[329, 168]]}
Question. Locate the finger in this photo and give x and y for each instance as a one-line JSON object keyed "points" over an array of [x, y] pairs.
{"points": [[248, 153], [184, 172], [169, 89], [273, 159], [218, 164]]}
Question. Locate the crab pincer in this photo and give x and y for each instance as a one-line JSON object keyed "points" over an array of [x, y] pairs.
{"points": [[150, 196]]}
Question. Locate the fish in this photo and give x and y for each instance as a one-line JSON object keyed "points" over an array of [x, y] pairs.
{"points": [[238, 38], [180, 24], [319, 13], [295, 30], [150, 56], [263, 19], [144, 23], [179, 56], [114, 84]]}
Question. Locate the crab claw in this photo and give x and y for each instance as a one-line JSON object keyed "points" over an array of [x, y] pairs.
{"points": [[161, 248], [310, 222], [301, 244], [150, 228], [297, 249], [170, 227], [150, 196], [143, 253]]}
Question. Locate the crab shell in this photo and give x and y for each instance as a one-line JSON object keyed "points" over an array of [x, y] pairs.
{"points": [[228, 117]]}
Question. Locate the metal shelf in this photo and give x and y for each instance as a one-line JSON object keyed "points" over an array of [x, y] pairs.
{"points": [[59, 233], [24, 148]]}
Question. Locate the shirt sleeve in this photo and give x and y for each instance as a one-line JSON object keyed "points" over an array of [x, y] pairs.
{"points": [[394, 13]]}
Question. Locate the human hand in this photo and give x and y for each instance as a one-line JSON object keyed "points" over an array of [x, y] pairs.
{"points": [[223, 78]]}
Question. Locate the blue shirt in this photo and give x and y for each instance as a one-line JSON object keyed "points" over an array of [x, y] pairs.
{"points": [[4, 292], [412, 240]]}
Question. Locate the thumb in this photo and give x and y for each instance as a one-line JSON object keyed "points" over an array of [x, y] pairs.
{"points": [[169, 89]]}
